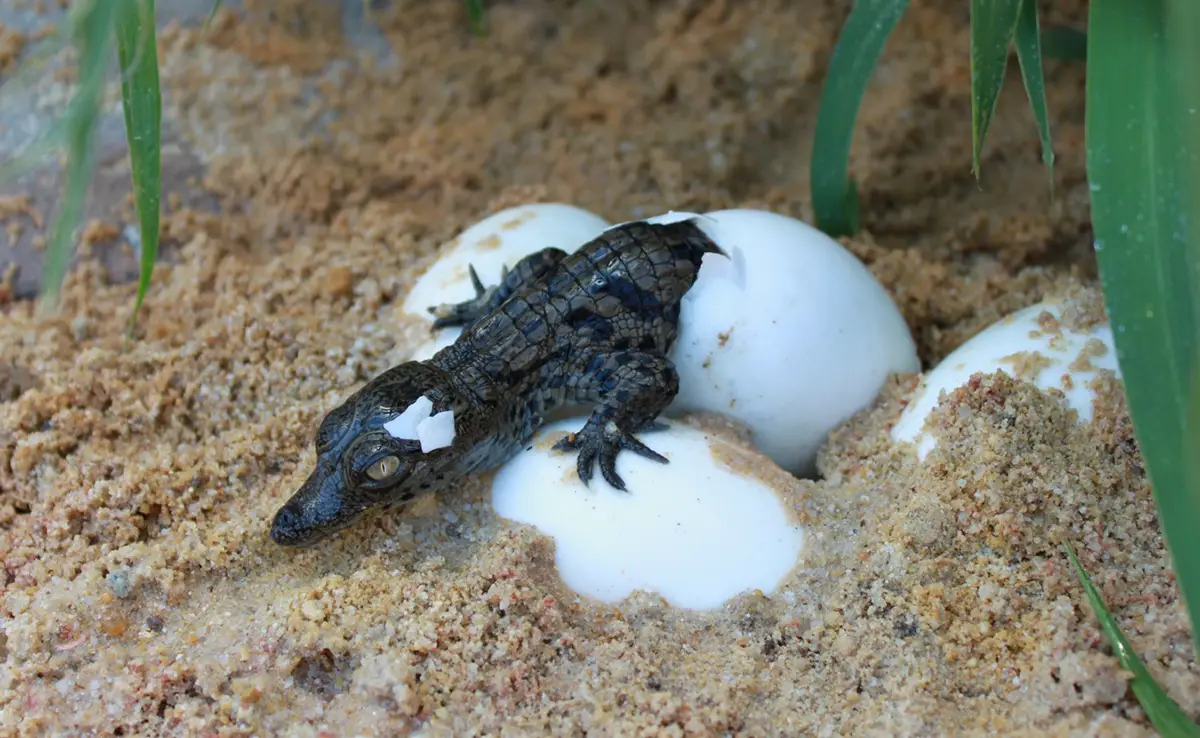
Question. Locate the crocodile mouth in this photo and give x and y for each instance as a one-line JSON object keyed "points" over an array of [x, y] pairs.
{"points": [[317, 510]]}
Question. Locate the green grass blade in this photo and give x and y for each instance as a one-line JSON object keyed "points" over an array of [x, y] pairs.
{"points": [[213, 14], [1183, 22], [92, 25], [475, 16], [1065, 44], [1168, 718], [993, 25], [835, 199], [54, 137], [35, 58], [1139, 166], [142, 103], [1028, 41]]}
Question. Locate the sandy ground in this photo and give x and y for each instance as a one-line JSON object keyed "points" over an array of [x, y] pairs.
{"points": [[142, 596]]}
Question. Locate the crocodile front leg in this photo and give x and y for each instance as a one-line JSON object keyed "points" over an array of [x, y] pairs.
{"points": [[631, 388], [532, 267]]}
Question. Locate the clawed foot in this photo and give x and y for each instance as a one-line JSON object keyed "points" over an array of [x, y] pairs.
{"points": [[461, 313], [594, 441]]}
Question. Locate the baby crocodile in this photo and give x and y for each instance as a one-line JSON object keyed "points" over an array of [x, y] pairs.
{"points": [[591, 327]]}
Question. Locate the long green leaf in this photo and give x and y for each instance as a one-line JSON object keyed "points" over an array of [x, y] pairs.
{"points": [[53, 137], [1066, 44], [1139, 164], [35, 58], [217, 6], [92, 24], [835, 199], [475, 16], [993, 25], [1163, 712], [1183, 23], [1029, 52], [142, 103]]}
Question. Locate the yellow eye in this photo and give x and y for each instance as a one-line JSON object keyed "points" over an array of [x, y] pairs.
{"points": [[383, 468]]}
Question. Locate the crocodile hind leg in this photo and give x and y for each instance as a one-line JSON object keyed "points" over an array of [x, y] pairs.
{"points": [[532, 267], [631, 388]]}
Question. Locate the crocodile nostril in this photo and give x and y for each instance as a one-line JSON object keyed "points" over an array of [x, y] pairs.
{"points": [[283, 527]]}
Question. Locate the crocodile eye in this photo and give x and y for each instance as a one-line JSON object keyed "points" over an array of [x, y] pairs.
{"points": [[383, 468], [599, 282]]}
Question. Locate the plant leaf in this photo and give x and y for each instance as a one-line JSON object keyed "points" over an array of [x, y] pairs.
{"points": [[213, 14], [1140, 117], [1183, 23], [55, 136], [993, 25], [475, 16], [92, 22], [1029, 54], [34, 58], [142, 102], [1168, 718], [835, 199], [1066, 44]]}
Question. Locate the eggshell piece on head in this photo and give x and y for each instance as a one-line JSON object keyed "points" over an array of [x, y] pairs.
{"points": [[406, 424], [1032, 344], [790, 335], [691, 530], [436, 431]]}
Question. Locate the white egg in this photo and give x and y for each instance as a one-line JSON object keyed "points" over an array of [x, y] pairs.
{"points": [[692, 530], [1020, 337], [500, 240], [791, 335]]}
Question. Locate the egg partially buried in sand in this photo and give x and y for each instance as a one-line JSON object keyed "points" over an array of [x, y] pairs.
{"points": [[791, 335], [498, 241], [1032, 344], [692, 530]]}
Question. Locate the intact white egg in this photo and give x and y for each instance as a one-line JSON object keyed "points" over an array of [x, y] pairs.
{"points": [[498, 241], [692, 530], [791, 335], [1053, 356]]}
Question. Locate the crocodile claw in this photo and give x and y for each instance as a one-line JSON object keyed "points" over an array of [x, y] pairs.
{"points": [[595, 442], [449, 315], [475, 281]]}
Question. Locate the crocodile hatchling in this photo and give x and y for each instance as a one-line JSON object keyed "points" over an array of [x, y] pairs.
{"points": [[592, 327]]}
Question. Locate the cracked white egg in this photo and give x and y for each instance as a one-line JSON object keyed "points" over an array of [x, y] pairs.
{"points": [[791, 335], [693, 530], [498, 241], [1054, 357]]}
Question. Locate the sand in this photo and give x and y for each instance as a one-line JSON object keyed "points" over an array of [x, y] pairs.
{"points": [[141, 595]]}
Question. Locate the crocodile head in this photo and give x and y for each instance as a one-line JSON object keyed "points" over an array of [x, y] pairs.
{"points": [[391, 441]]}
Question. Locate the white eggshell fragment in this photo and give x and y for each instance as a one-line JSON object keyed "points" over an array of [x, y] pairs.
{"points": [[436, 431], [500, 240], [791, 335], [691, 530], [405, 424], [997, 348]]}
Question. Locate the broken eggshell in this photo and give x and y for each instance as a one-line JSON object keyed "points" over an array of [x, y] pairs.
{"points": [[692, 530], [419, 423], [791, 335], [1056, 357]]}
